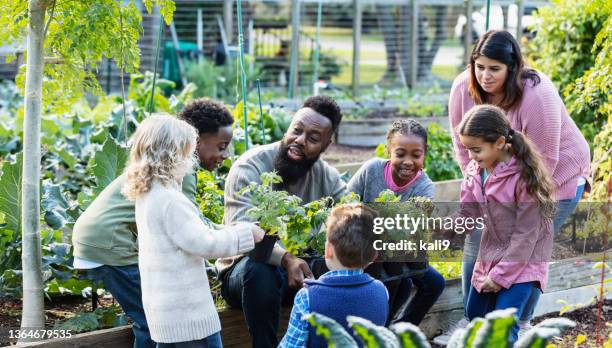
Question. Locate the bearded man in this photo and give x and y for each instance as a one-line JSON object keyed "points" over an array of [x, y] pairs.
{"points": [[260, 288]]}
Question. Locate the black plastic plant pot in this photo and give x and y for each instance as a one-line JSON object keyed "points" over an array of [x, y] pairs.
{"points": [[263, 249]]}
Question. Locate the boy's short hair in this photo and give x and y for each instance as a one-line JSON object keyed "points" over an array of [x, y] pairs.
{"points": [[350, 231], [206, 115]]}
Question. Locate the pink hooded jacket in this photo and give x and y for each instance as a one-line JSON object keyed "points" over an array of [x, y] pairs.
{"points": [[516, 242]]}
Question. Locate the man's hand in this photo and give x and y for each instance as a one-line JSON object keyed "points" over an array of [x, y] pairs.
{"points": [[297, 270], [490, 286]]}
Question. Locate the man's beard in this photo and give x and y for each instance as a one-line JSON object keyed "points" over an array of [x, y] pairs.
{"points": [[289, 169]]}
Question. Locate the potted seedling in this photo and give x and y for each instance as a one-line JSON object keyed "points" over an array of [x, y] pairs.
{"points": [[272, 210]]}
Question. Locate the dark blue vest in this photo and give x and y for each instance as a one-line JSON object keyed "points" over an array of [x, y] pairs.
{"points": [[339, 296]]}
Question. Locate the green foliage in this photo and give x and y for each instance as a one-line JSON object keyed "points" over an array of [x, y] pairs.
{"points": [[81, 155], [210, 196], [410, 336], [55, 206], [387, 196], [219, 82], [371, 335], [440, 161], [333, 333], [80, 35], [102, 317], [419, 108], [108, 164], [10, 194], [271, 208], [590, 96], [276, 122], [570, 35], [350, 198], [381, 151], [448, 269], [541, 334], [492, 331], [282, 214]]}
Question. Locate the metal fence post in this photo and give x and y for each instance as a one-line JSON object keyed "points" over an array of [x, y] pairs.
{"points": [[414, 43], [519, 20], [357, 20], [200, 35], [228, 19], [295, 46], [467, 40]]}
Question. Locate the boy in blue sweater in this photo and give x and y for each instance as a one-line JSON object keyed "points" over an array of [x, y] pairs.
{"points": [[345, 289]]}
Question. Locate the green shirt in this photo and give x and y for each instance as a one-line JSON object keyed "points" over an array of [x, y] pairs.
{"points": [[106, 231]]}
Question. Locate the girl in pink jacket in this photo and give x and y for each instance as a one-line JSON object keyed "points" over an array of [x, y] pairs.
{"points": [[507, 184]]}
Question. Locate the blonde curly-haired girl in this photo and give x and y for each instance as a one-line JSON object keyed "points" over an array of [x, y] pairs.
{"points": [[173, 241]]}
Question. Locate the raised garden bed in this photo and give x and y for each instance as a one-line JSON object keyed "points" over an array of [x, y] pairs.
{"points": [[572, 280], [369, 132]]}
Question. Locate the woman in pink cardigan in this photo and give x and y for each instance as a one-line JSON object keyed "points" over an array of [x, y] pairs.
{"points": [[497, 75], [506, 183]]}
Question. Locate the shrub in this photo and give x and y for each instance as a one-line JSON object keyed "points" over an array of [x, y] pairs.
{"points": [[565, 48]]}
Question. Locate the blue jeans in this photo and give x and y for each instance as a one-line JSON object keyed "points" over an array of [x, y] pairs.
{"points": [[472, 244], [212, 341], [429, 289], [123, 282], [479, 304], [260, 290]]}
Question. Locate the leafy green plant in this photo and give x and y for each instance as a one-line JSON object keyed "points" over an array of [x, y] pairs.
{"points": [[272, 208], [101, 318], [440, 161], [419, 108], [210, 196], [276, 122], [219, 82], [333, 333], [491, 331], [282, 214], [79, 36], [566, 48]]}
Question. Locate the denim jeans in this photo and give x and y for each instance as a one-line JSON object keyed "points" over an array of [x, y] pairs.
{"points": [[260, 290], [212, 341], [565, 208], [123, 282], [429, 289], [479, 304]]}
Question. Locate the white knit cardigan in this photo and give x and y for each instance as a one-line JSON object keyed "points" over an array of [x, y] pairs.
{"points": [[173, 243]]}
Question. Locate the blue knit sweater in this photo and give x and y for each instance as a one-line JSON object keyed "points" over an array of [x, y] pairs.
{"points": [[337, 297]]}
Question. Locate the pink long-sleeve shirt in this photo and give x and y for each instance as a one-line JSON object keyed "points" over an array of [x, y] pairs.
{"points": [[516, 243], [542, 117]]}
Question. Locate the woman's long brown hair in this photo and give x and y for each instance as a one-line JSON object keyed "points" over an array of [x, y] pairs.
{"points": [[500, 45]]}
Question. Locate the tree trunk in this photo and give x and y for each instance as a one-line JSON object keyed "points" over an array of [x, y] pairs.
{"points": [[386, 23], [429, 53], [32, 316], [404, 39]]}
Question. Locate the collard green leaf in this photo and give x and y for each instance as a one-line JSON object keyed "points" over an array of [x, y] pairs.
{"points": [[372, 335], [108, 164], [10, 194], [410, 336], [333, 333], [496, 330], [55, 206], [540, 335]]}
